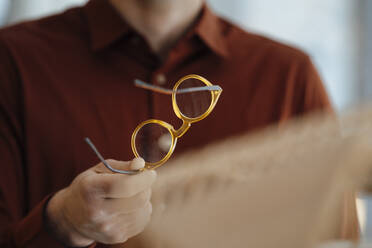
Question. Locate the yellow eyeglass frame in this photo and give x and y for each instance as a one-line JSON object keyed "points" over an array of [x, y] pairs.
{"points": [[175, 134], [186, 121]]}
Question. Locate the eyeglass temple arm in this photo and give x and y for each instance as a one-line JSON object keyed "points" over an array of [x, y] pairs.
{"points": [[159, 89], [90, 143]]}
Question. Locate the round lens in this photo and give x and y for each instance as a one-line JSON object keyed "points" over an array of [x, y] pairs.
{"points": [[153, 142], [192, 100]]}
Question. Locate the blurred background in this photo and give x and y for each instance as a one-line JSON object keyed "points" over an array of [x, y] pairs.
{"points": [[336, 33]]}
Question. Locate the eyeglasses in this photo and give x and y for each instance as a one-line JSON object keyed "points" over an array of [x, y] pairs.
{"points": [[193, 99]]}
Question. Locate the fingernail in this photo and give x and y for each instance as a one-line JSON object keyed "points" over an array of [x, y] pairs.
{"points": [[137, 163]]}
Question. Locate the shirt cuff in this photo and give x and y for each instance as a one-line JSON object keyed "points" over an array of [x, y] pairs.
{"points": [[32, 231]]}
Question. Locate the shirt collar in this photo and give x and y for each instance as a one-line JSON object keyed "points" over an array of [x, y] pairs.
{"points": [[107, 26], [209, 28]]}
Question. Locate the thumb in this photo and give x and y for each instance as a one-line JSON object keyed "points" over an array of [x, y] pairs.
{"points": [[137, 164]]}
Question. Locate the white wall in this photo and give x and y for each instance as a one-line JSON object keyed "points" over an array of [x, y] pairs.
{"points": [[28, 9], [4, 10], [327, 29]]}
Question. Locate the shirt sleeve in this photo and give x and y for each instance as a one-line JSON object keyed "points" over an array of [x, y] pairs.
{"points": [[315, 96], [19, 225]]}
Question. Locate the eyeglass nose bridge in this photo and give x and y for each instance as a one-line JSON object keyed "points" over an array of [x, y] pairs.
{"points": [[182, 130]]}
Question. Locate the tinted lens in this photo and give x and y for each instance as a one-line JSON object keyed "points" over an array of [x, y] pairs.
{"points": [[153, 142], [195, 103]]}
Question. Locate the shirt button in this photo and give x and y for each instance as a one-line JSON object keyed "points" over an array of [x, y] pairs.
{"points": [[161, 79]]}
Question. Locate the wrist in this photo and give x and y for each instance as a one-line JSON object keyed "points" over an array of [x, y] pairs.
{"points": [[58, 225]]}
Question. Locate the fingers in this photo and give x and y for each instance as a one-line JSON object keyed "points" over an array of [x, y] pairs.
{"points": [[125, 205], [116, 185], [135, 164], [124, 186], [140, 216], [135, 223], [117, 229], [104, 206]]}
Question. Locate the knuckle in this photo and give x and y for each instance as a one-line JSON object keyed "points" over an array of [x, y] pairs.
{"points": [[86, 188], [120, 238], [139, 229], [106, 186], [90, 213], [149, 208], [144, 198], [116, 237], [85, 183], [144, 213], [94, 214], [104, 228]]}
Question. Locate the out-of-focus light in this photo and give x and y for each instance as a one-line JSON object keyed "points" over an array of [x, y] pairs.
{"points": [[4, 10]]}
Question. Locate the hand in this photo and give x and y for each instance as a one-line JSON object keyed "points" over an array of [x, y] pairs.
{"points": [[102, 206]]}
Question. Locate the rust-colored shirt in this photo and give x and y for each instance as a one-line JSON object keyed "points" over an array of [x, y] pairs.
{"points": [[70, 76]]}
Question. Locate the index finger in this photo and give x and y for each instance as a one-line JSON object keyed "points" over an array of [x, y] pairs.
{"points": [[113, 166], [124, 186]]}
